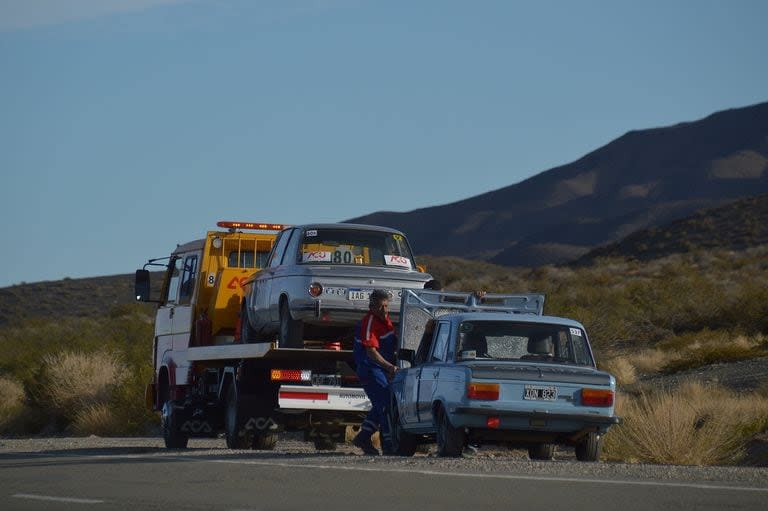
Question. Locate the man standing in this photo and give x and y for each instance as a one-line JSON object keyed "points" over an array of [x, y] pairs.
{"points": [[374, 352]]}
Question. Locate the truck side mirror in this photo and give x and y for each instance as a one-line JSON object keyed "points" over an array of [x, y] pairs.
{"points": [[142, 286], [406, 355]]}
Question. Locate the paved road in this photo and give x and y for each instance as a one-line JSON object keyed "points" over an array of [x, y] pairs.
{"points": [[212, 478]]}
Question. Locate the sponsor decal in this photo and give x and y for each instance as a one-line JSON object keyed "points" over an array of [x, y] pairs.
{"points": [[396, 260], [310, 257]]}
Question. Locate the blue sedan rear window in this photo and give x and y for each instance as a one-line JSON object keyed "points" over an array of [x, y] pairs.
{"points": [[507, 340]]}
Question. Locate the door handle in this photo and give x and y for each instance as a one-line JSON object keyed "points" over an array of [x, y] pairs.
{"points": [[435, 373], [170, 313]]}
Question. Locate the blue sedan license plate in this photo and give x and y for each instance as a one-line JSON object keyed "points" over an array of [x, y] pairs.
{"points": [[540, 392]]}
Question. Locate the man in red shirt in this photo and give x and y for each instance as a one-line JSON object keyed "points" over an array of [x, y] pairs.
{"points": [[374, 352]]}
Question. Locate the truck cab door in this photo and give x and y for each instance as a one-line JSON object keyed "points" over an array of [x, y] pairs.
{"points": [[167, 309], [430, 372], [184, 309]]}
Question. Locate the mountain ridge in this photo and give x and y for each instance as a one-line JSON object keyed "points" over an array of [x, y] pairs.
{"points": [[640, 179]]}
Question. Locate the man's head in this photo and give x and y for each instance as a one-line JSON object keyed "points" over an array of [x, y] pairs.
{"points": [[379, 303]]}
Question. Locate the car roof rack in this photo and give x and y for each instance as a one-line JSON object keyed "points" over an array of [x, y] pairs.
{"points": [[418, 307], [432, 301]]}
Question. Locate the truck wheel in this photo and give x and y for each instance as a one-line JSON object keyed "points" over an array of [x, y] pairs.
{"points": [[590, 447], [237, 438], [291, 333], [265, 441], [403, 444], [450, 440], [174, 439], [324, 443], [541, 451]]}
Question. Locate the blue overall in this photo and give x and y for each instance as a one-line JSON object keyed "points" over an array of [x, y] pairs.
{"points": [[374, 380]]}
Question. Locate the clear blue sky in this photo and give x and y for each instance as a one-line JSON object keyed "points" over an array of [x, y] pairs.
{"points": [[127, 126]]}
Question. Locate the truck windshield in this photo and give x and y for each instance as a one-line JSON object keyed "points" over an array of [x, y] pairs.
{"points": [[355, 247], [507, 340]]}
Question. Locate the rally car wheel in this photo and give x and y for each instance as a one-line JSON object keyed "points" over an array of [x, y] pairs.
{"points": [[541, 451], [403, 444], [450, 440], [291, 330], [590, 447], [246, 331]]}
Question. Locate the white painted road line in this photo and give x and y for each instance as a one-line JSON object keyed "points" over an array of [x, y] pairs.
{"points": [[49, 498], [698, 486]]}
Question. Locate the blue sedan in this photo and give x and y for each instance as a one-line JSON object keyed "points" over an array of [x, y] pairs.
{"points": [[494, 370]]}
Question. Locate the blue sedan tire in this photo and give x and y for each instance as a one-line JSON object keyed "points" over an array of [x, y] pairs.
{"points": [[590, 447], [450, 440], [403, 443], [541, 451]]}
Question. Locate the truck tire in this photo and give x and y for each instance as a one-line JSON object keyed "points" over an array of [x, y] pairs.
{"points": [[541, 451], [237, 438], [291, 334], [324, 443], [264, 441], [173, 438], [450, 440], [403, 443], [590, 447]]}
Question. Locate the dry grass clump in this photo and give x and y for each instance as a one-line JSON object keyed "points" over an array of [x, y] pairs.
{"points": [[621, 368], [691, 350], [649, 361], [97, 419], [711, 347], [75, 381], [693, 424], [11, 402]]}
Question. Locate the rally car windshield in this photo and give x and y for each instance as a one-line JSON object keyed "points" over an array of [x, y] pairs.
{"points": [[355, 247], [506, 340]]}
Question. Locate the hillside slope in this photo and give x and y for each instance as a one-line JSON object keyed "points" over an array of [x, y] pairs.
{"points": [[87, 297], [738, 225], [642, 179]]}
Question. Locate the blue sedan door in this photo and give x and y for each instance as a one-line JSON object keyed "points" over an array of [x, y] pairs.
{"points": [[427, 381]]}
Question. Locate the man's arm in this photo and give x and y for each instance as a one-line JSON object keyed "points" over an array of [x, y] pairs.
{"points": [[374, 355]]}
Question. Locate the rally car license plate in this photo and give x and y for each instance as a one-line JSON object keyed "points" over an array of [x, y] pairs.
{"points": [[540, 392], [360, 294]]}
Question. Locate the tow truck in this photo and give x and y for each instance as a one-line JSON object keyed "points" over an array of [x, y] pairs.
{"points": [[207, 381]]}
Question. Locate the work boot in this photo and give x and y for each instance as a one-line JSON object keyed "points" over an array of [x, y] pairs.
{"points": [[365, 444]]}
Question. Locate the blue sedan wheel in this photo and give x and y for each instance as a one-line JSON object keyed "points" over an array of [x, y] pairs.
{"points": [[403, 444], [450, 440]]}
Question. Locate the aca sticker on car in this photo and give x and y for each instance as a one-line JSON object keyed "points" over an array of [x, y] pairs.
{"points": [[396, 260], [311, 257]]}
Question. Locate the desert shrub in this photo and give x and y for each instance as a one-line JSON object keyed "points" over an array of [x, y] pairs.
{"points": [[621, 368], [11, 402], [75, 381], [693, 424], [96, 419], [649, 361]]}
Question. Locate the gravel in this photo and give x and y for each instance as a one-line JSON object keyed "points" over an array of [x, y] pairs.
{"points": [[290, 450]]}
